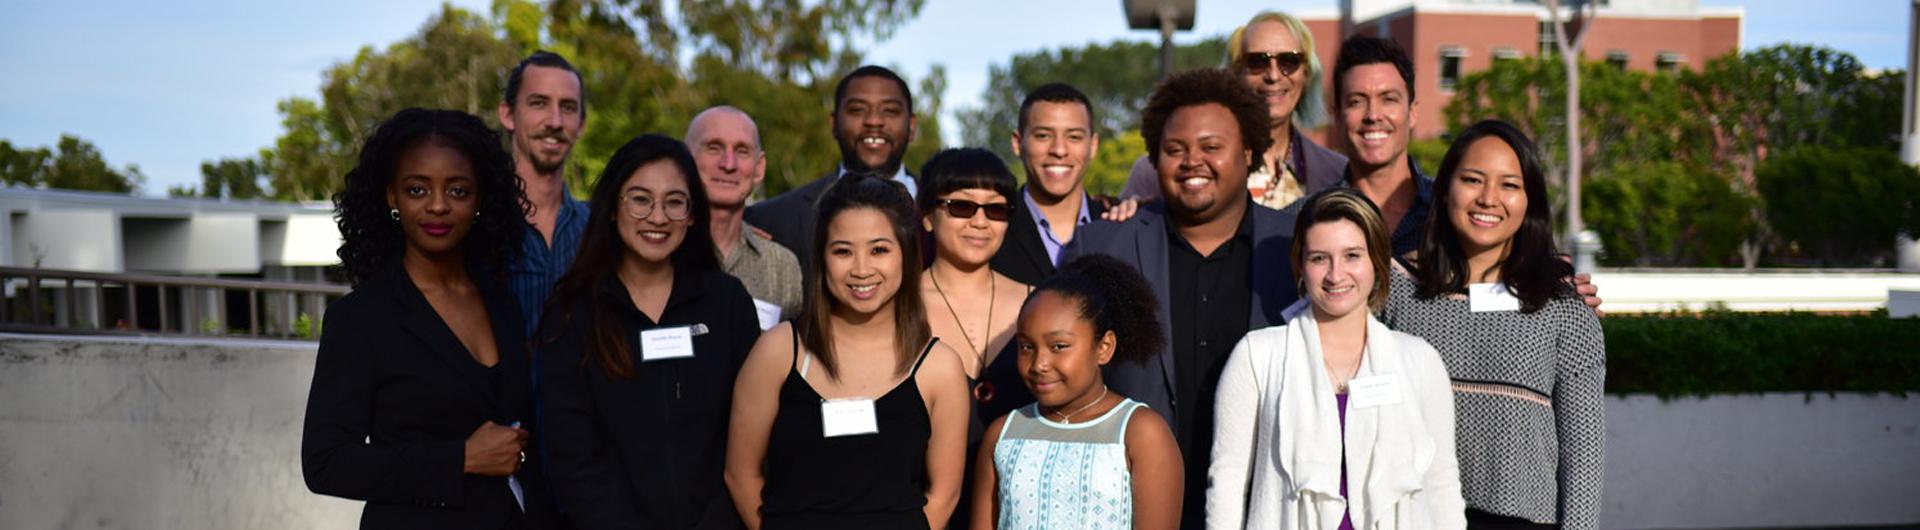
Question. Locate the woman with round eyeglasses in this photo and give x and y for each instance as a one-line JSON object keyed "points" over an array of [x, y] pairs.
{"points": [[639, 350], [1274, 53]]}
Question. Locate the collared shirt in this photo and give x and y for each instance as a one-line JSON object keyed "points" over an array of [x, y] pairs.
{"points": [[770, 271], [899, 176], [542, 265], [1046, 227], [1406, 236], [1211, 298]]}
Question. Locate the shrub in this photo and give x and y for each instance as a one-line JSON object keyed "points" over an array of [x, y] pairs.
{"points": [[1720, 352]]}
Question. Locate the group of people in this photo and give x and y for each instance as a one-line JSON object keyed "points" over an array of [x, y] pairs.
{"points": [[1265, 333]]}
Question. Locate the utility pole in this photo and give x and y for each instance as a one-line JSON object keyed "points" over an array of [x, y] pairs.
{"points": [[1908, 249]]}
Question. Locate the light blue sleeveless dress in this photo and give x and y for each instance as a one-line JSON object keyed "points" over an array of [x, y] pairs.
{"points": [[1071, 476]]}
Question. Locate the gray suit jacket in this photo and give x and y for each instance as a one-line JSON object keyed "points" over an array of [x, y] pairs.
{"points": [[1142, 242]]}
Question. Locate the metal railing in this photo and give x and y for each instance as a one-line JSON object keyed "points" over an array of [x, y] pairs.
{"points": [[57, 301]]}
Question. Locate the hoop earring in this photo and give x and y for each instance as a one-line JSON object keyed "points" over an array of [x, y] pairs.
{"points": [[394, 213]]}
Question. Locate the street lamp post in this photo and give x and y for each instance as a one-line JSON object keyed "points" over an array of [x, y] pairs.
{"points": [[1908, 248], [1167, 16]]}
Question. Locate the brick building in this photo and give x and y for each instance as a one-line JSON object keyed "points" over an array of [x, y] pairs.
{"points": [[1449, 39]]}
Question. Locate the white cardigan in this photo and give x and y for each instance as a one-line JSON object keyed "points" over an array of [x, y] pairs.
{"points": [[1277, 438]]}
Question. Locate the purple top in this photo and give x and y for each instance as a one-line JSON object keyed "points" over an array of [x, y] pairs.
{"points": [[1346, 519]]}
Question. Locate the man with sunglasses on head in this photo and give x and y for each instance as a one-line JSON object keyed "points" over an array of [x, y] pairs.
{"points": [[1055, 141], [1274, 54]]}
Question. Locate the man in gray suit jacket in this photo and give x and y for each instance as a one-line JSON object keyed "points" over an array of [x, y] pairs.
{"points": [[873, 122], [1218, 263]]}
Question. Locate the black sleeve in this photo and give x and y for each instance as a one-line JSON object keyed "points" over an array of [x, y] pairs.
{"points": [[586, 484], [336, 456], [742, 326]]}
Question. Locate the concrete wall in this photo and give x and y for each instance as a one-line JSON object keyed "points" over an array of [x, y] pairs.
{"points": [[1627, 291], [167, 433], [156, 434], [1758, 461], [78, 240]]}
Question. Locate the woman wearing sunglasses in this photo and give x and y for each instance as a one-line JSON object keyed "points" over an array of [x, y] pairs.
{"points": [[1274, 54], [965, 207]]}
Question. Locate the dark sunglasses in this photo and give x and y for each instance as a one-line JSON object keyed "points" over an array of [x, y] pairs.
{"points": [[1257, 63], [960, 209]]}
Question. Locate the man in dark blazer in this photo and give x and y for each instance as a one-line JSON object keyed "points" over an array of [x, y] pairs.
{"points": [[1055, 140], [872, 122], [1218, 263]]}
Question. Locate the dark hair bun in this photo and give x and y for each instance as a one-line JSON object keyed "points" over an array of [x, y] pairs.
{"points": [[1116, 298]]}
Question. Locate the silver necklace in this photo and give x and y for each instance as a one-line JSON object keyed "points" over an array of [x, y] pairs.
{"points": [[1067, 417]]}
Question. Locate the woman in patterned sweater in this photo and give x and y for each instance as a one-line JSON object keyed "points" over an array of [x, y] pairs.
{"points": [[1527, 357]]}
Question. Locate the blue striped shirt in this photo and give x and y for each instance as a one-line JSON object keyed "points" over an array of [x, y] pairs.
{"points": [[542, 265]]}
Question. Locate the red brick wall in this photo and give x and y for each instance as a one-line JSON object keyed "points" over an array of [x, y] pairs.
{"points": [[1718, 36], [1477, 36]]}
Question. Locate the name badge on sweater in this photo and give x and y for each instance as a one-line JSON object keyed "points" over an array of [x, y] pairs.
{"points": [[1373, 391], [1483, 297], [660, 344], [848, 417]]}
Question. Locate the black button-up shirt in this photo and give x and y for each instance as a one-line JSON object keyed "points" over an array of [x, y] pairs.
{"points": [[1212, 299]]}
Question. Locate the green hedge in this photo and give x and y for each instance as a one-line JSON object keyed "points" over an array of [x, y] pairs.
{"points": [[1720, 352]]}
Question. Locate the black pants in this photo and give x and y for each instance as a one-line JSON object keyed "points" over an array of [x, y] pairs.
{"points": [[1479, 520]]}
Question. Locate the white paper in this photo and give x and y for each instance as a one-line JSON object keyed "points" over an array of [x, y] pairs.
{"points": [[848, 417], [769, 313], [1373, 391], [666, 343], [1483, 297]]}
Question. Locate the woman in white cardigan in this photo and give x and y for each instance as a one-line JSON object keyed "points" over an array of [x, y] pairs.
{"points": [[1333, 421]]}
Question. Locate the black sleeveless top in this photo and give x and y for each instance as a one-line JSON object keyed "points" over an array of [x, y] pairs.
{"points": [[874, 480]]}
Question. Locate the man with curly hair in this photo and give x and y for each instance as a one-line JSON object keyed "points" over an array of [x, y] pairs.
{"points": [[1216, 262]]}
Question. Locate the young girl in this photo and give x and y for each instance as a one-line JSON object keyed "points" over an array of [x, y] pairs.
{"points": [[1082, 456]]}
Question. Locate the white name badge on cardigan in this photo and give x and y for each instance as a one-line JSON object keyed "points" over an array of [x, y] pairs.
{"points": [[661, 344], [1373, 391], [1482, 297], [848, 417]]}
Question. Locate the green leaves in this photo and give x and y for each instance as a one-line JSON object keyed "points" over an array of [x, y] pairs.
{"points": [[1840, 206], [73, 164], [1721, 352]]}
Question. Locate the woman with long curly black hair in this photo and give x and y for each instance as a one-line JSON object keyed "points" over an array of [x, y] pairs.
{"points": [[421, 381]]}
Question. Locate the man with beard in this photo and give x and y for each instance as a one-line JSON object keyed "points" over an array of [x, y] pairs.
{"points": [[1216, 261], [873, 122], [726, 145], [1055, 141], [544, 113]]}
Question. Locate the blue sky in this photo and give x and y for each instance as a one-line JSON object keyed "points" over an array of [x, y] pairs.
{"points": [[166, 85]]}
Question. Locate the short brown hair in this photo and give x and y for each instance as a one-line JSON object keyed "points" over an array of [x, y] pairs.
{"points": [[1342, 204], [1200, 87]]}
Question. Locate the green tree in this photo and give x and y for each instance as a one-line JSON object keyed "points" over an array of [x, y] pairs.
{"points": [[72, 164], [1840, 206], [232, 178], [1665, 214]]}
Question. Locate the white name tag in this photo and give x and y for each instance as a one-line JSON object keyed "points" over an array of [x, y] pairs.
{"points": [[769, 313], [1373, 391], [1483, 297], [666, 343], [848, 417]]}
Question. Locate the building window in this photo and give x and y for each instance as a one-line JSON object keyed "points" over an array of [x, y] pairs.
{"points": [[1450, 57], [1668, 62], [1505, 53], [1617, 59], [1546, 39]]}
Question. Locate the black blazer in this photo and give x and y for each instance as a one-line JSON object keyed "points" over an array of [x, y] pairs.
{"points": [[645, 452], [789, 218], [395, 396], [1142, 243], [1023, 256]]}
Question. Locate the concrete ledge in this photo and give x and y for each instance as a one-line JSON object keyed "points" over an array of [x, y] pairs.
{"points": [[1760, 461], [114, 432]]}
